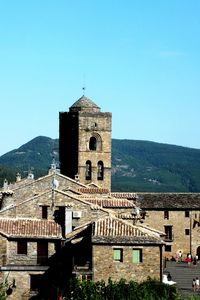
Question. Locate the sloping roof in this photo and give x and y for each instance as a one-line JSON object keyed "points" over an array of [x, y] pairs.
{"points": [[85, 103], [120, 195], [93, 190], [30, 228], [109, 202], [113, 230], [174, 201]]}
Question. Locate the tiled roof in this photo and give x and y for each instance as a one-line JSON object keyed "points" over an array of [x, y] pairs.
{"points": [[29, 228], [93, 190], [124, 195], [110, 202], [151, 201], [111, 229]]}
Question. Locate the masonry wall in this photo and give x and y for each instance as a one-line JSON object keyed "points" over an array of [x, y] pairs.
{"points": [[53, 200], [30, 258], [180, 223], [95, 124], [104, 266], [22, 281]]}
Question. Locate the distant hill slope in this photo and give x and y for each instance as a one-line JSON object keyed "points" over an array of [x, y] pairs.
{"points": [[136, 165]]}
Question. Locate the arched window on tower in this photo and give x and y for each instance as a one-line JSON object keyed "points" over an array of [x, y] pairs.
{"points": [[100, 170], [93, 143], [88, 170]]}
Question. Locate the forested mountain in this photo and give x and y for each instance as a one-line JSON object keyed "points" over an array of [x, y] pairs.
{"points": [[136, 165]]}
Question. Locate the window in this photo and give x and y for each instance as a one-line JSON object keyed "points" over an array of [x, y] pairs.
{"points": [[93, 143], [42, 252], [22, 247], [88, 170], [166, 214], [168, 232], [44, 212], [100, 170], [187, 214], [118, 254], [35, 282], [187, 231], [168, 248], [137, 256]]}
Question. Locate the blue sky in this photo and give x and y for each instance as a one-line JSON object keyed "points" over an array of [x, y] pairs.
{"points": [[138, 59]]}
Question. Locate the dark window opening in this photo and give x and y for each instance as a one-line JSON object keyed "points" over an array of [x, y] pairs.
{"points": [[168, 248], [100, 171], [42, 252], [22, 247], [166, 214], [35, 282], [44, 212], [187, 214], [88, 171], [93, 143], [187, 231], [168, 232]]}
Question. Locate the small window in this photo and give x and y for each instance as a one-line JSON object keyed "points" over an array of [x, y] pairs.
{"points": [[93, 143], [166, 214], [137, 256], [187, 231], [187, 214], [118, 254], [168, 248], [88, 170], [44, 212], [35, 282], [100, 172], [22, 247], [168, 232]]}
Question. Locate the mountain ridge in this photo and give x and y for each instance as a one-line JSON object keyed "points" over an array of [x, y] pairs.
{"points": [[137, 165]]}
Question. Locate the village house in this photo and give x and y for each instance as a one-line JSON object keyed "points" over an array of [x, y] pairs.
{"points": [[176, 214], [68, 223]]}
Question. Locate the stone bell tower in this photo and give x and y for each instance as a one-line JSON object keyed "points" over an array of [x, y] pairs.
{"points": [[85, 143]]}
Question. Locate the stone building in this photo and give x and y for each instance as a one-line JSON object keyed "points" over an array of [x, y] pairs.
{"points": [[39, 219], [85, 143], [69, 223], [176, 214]]}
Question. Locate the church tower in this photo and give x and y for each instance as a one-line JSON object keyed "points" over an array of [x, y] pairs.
{"points": [[85, 143]]}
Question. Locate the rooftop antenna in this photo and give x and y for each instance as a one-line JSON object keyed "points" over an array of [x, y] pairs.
{"points": [[83, 88]]}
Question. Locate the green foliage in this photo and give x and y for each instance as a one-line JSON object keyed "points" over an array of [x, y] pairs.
{"points": [[3, 289], [121, 290], [137, 166]]}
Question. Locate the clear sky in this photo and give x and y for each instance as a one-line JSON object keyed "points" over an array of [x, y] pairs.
{"points": [[139, 59]]}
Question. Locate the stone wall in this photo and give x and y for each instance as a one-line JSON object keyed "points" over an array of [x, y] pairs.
{"points": [[95, 124], [104, 266], [180, 223], [30, 258]]}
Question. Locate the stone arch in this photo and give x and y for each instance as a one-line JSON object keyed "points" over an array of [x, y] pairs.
{"points": [[95, 142]]}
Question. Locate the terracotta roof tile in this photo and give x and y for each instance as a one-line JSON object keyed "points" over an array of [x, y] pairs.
{"points": [[110, 202], [119, 195], [115, 227], [93, 190], [29, 228]]}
